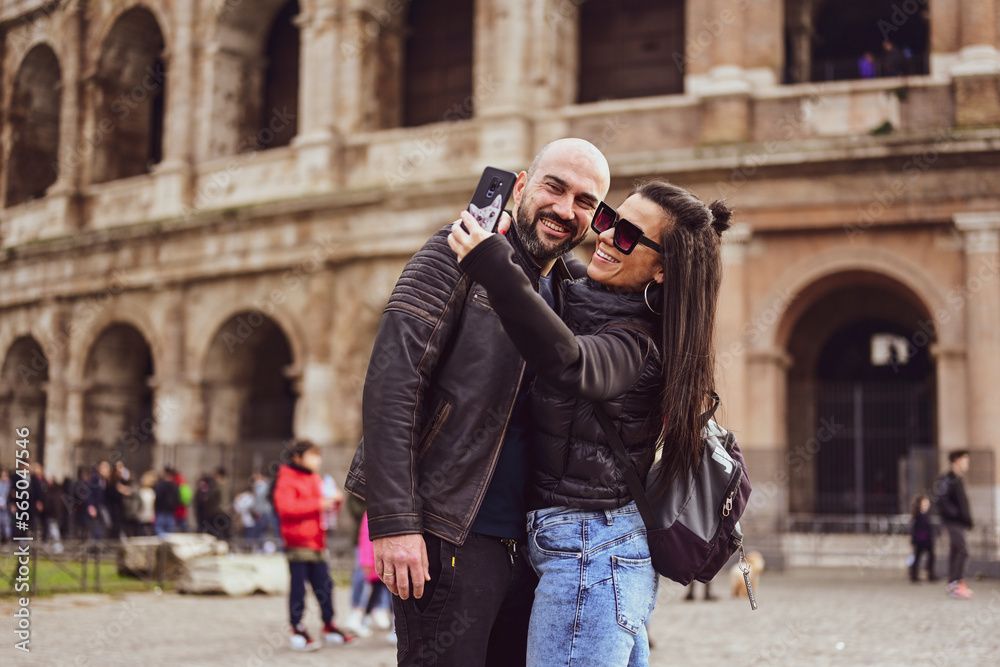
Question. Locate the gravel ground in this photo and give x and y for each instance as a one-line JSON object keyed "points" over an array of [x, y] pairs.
{"points": [[805, 617]]}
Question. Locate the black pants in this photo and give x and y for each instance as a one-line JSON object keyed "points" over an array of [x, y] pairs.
{"points": [[958, 553], [474, 610], [918, 550], [318, 575]]}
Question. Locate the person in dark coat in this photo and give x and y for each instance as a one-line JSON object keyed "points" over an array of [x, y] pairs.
{"points": [[922, 538], [953, 506], [165, 504], [642, 320]]}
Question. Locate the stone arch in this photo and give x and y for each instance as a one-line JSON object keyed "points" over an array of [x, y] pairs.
{"points": [[33, 115], [198, 349], [97, 324], [775, 314], [118, 421], [249, 389], [254, 76], [825, 39], [861, 387], [129, 96], [24, 376]]}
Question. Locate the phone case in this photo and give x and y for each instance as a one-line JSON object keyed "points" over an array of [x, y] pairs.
{"points": [[491, 196]]}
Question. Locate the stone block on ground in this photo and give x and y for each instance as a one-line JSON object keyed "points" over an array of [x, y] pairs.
{"points": [[137, 555], [242, 574]]}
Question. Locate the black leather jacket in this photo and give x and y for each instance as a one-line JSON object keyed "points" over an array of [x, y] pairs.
{"points": [[438, 396], [952, 503], [602, 350]]}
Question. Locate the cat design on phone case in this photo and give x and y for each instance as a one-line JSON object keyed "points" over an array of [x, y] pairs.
{"points": [[488, 216]]}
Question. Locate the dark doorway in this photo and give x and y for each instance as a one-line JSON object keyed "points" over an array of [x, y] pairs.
{"points": [[437, 76], [826, 40], [627, 49], [862, 400]]}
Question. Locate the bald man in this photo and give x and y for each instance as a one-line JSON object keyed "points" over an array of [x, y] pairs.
{"points": [[443, 464]]}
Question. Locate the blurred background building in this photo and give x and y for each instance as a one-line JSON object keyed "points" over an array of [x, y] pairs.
{"points": [[207, 202]]}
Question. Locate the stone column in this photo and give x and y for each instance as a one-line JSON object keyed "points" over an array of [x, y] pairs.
{"points": [[315, 414], [763, 41], [952, 403], [315, 143], [982, 287], [724, 87], [174, 172], [765, 429], [369, 54], [977, 71], [731, 351], [72, 144], [514, 67]]}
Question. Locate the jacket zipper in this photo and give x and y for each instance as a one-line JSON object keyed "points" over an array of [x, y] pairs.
{"points": [[433, 428]]}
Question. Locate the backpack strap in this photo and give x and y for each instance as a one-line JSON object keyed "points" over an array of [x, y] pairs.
{"points": [[627, 467]]}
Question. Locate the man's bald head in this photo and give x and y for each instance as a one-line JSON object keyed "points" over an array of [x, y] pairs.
{"points": [[579, 151]]}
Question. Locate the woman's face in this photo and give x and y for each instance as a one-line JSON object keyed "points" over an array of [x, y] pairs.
{"points": [[925, 505], [632, 272]]}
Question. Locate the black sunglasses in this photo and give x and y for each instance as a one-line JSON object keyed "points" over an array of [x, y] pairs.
{"points": [[627, 235]]}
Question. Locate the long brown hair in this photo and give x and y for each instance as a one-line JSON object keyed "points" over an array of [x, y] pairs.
{"points": [[692, 267]]}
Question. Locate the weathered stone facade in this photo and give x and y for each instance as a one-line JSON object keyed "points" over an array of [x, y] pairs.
{"points": [[200, 228]]}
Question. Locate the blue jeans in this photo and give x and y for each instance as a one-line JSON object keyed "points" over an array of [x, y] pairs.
{"points": [[165, 524], [596, 587]]}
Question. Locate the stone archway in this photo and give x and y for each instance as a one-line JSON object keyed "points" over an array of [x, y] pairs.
{"points": [[33, 116], [23, 379], [118, 421], [254, 77], [861, 398], [249, 394], [129, 97]]}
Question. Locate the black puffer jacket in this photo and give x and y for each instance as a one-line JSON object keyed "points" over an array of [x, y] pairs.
{"points": [[601, 350]]}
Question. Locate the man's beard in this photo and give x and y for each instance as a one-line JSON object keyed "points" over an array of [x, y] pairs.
{"points": [[528, 233]]}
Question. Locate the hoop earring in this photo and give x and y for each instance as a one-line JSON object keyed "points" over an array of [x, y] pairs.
{"points": [[645, 297]]}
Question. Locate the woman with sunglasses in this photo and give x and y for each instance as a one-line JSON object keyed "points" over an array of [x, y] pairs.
{"points": [[634, 336]]}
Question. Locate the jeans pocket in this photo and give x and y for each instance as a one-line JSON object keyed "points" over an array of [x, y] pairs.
{"points": [[635, 584], [561, 538]]}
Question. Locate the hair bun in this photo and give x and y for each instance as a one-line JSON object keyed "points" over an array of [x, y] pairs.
{"points": [[721, 216]]}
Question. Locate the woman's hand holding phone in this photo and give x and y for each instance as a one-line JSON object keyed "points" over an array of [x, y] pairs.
{"points": [[465, 237]]}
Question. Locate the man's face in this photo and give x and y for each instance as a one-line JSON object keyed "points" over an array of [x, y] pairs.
{"points": [[554, 208], [961, 465]]}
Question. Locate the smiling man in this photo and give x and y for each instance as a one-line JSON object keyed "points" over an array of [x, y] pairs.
{"points": [[444, 463]]}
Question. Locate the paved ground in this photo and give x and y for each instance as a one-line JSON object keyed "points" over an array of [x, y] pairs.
{"points": [[806, 617]]}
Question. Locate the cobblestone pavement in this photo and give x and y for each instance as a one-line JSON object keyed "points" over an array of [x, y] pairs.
{"points": [[806, 617]]}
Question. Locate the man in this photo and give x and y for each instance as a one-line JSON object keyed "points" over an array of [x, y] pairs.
{"points": [[165, 503], [953, 505], [98, 517], [443, 464]]}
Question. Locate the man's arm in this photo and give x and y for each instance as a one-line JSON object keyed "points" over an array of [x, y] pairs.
{"points": [[416, 326]]}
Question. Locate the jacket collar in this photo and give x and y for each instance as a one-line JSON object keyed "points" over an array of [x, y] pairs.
{"points": [[591, 302]]}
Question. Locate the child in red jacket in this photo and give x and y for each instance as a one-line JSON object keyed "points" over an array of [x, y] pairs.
{"points": [[299, 503]]}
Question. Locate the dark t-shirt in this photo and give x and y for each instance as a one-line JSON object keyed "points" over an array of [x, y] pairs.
{"points": [[505, 504]]}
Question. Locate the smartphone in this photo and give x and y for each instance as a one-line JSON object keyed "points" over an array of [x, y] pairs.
{"points": [[491, 196]]}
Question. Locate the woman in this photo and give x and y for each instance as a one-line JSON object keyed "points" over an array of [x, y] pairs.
{"points": [[634, 337]]}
